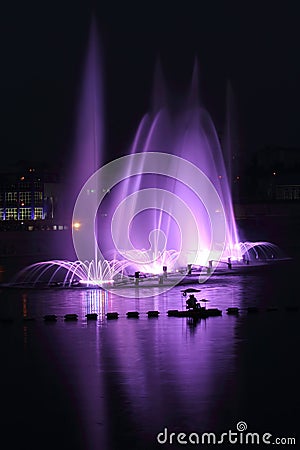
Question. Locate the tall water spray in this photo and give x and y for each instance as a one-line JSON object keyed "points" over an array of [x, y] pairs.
{"points": [[129, 217], [189, 134], [88, 145]]}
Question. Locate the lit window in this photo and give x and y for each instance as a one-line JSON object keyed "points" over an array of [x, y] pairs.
{"points": [[11, 214], [11, 196], [38, 213], [25, 214], [2, 216], [38, 197], [25, 197]]}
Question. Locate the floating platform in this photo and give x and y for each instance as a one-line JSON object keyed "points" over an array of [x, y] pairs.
{"points": [[132, 314], [70, 317], [50, 318], [198, 313], [233, 311], [201, 313], [153, 313], [91, 316], [112, 315]]}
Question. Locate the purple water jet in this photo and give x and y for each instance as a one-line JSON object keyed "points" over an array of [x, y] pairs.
{"points": [[153, 235], [189, 134], [88, 136]]}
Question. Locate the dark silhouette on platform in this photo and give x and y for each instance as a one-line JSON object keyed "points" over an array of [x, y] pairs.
{"points": [[192, 303]]}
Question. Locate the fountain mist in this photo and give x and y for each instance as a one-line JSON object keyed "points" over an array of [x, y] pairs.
{"points": [[188, 133]]}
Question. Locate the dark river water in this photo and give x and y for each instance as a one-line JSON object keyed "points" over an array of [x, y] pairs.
{"points": [[117, 384]]}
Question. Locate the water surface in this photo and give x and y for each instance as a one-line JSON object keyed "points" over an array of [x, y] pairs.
{"points": [[117, 384]]}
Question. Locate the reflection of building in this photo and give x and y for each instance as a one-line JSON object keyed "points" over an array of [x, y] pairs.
{"points": [[29, 195]]}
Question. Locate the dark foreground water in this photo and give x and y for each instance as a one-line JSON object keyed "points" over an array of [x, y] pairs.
{"points": [[117, 384]]}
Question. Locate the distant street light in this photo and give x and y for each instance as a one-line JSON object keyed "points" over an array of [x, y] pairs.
{"points": [[76, 225]]}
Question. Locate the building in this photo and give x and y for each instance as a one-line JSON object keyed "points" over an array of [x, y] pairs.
{"points": [[287, 188], [28, 195]]}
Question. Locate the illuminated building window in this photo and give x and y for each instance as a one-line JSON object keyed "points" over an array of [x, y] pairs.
{"points": [[38, 213], [25, 197], [2, 216], [11, 214], [38, 197], [287, 192], [25, 214], [11, 196]]}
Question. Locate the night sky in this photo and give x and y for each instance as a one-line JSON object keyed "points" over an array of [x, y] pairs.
{"points": [[254, 46]]}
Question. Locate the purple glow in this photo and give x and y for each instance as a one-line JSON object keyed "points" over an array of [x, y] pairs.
{"points": [[88, 137], [67, 273], [188, 133]]}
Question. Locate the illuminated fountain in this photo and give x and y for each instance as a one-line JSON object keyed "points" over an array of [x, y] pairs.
{"points": [[70, 273], [189, 134], [153, 242]]}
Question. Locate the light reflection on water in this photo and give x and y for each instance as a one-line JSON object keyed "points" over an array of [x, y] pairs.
{"points": [[224, 292], [127, 379]]}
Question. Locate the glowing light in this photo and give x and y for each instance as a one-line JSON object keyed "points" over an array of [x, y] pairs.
{"points": [[96, 282], [193, 136], [76, 225], [68, 273]]}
